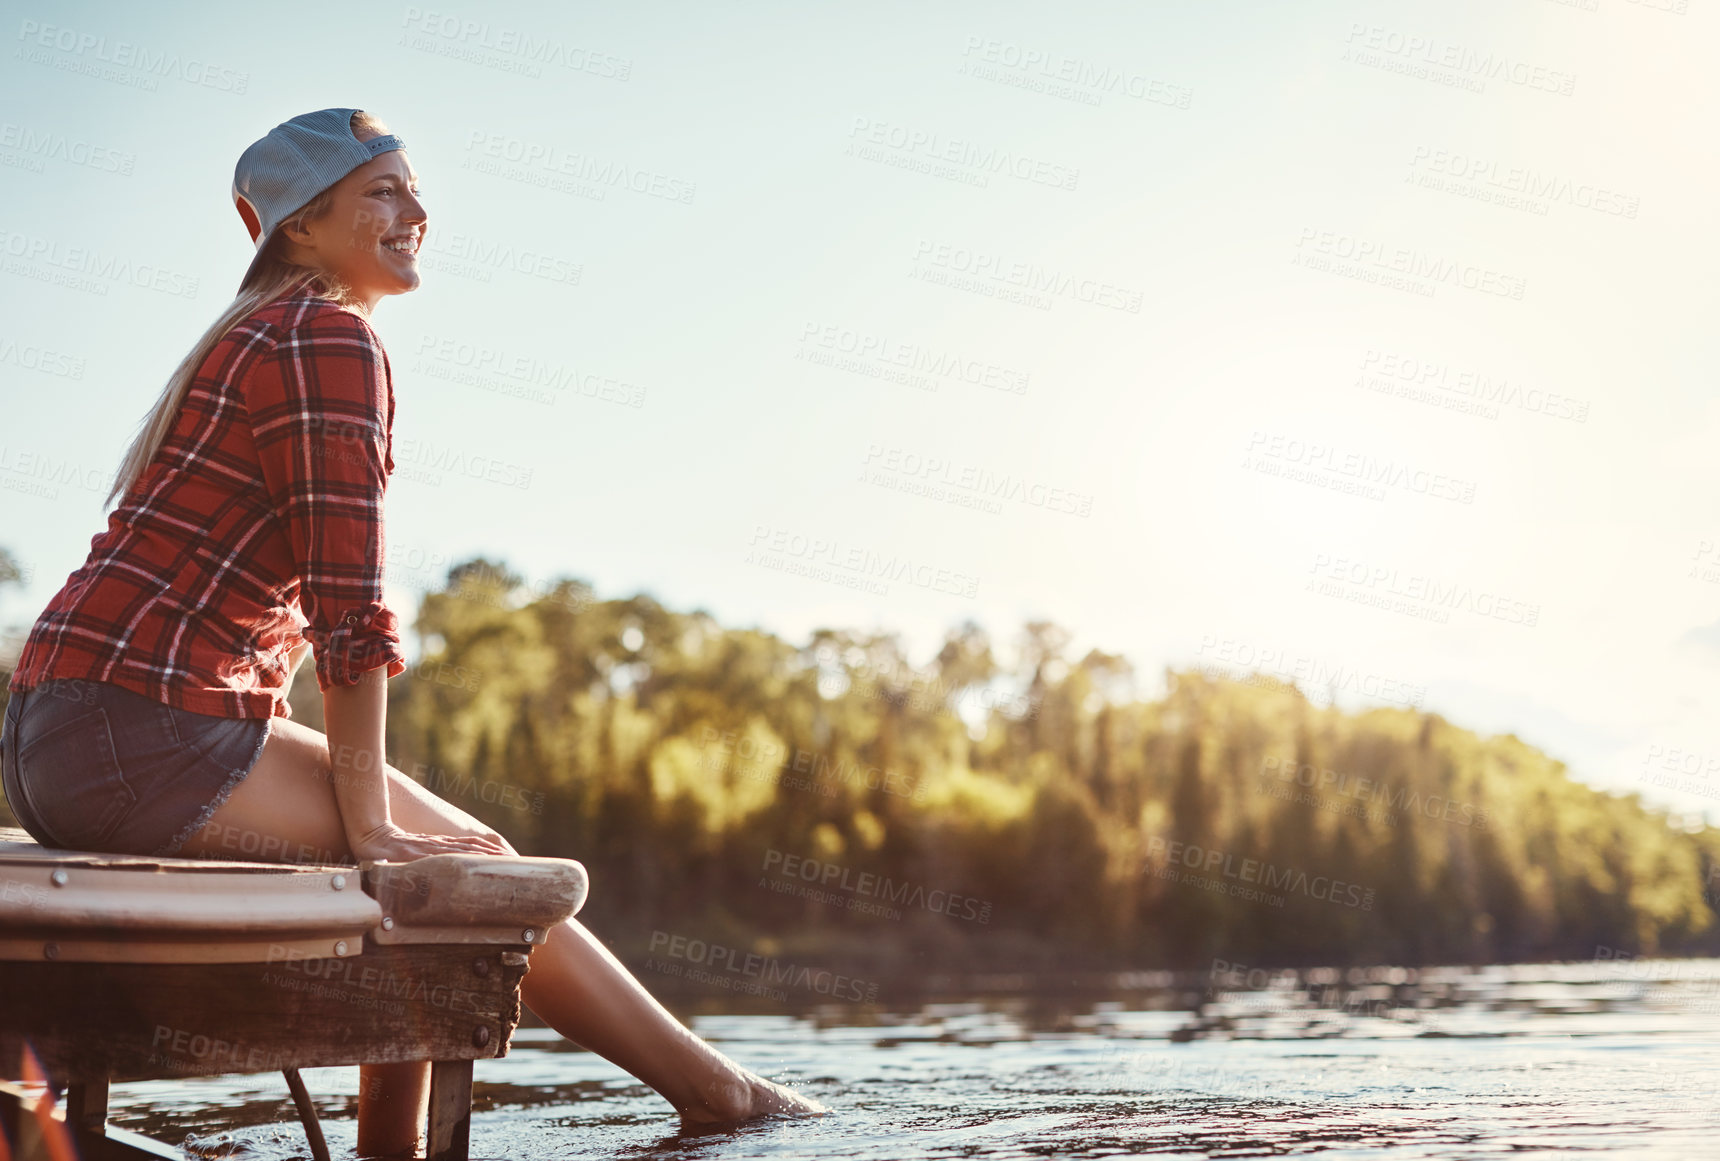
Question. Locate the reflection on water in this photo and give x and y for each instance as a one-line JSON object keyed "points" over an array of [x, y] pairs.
{"points": [[1529, 1060]]}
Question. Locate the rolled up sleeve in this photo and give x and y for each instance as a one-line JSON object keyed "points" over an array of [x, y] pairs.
{"points": [[321, 419]]}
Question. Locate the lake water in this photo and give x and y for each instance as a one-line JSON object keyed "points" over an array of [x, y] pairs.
{"points": [[1619, 1059]]}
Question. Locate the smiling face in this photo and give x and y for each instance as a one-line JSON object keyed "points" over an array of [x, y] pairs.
{"points": [[370, 234]]}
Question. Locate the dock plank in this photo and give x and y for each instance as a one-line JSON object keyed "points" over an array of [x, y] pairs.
{"points": [[145, 1021]]}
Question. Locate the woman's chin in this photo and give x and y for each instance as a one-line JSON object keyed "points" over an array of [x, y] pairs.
{"points": [[398, 282]]}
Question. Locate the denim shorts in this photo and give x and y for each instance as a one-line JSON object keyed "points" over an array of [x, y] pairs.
{"points": [[92, 766]]}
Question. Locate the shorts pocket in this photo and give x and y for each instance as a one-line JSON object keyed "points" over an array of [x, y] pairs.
{"points": [[72, 775]]}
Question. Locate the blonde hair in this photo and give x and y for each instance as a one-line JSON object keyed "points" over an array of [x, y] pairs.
{"points": [[275, 275]]}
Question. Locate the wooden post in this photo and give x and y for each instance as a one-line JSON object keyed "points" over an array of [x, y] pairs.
{"points": [[34, 1136], [450, 1110], [13, 1110], [87, 1110]]}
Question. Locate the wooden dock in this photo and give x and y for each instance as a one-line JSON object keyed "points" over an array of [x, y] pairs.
{"points": [[122, 968]]}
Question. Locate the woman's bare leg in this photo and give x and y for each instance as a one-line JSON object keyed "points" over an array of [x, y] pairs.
{"points": [[586, 994], [285, 810]]}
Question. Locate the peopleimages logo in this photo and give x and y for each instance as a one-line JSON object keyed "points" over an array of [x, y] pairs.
{"points": [[939, 473], [36, 465], [41, 144], [1372, 791], [1401, 370], [870, 347], [1370, 256], [816, 556], [758, 972], [1316, 673], [1208, 860], [762, 760], [34, 358], [1028, 276], [554, 160], [530, 49], [832, 877], [1325, 458], [456, 359], [1066, 76], [483, 255], [1447, 62], [1526, 181], [935, 146], [424, 454], [1343, 575], [83, 48], [185, 1050], [50, 258]]}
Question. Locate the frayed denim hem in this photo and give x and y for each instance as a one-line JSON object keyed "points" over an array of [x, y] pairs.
{"points": [[220, 799]]}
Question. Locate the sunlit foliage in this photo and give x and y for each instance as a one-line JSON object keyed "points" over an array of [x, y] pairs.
{"points": [[673, 755], [686, 764]]}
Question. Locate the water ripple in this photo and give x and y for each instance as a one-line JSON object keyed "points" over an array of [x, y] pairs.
{"points": [[1452, 1063]]}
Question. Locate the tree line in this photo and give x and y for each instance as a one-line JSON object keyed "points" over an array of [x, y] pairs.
{"points": [[827, 799]]}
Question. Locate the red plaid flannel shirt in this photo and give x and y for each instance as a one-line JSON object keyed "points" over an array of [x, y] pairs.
{"points": [[258, 524]]}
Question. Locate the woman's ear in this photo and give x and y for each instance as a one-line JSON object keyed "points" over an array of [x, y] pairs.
{"points": [[296, 230]]}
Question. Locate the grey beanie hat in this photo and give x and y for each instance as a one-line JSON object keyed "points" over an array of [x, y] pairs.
{"points": [[294, 162]]}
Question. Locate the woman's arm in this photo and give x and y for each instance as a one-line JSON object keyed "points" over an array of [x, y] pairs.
{"points": [[295, 655], [354, 717], [321, 410]]}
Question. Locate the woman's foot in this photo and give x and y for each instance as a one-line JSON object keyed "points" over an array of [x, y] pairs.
{"points": [[742, 1096]]}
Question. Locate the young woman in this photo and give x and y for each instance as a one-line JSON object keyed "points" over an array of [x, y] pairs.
{"points": [[148, 711]]}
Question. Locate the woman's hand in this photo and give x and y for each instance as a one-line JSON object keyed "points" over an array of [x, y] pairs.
{"points": [[389, 843]]}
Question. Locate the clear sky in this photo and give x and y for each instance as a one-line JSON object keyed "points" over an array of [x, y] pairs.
{"points": [[1360, 341]]}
